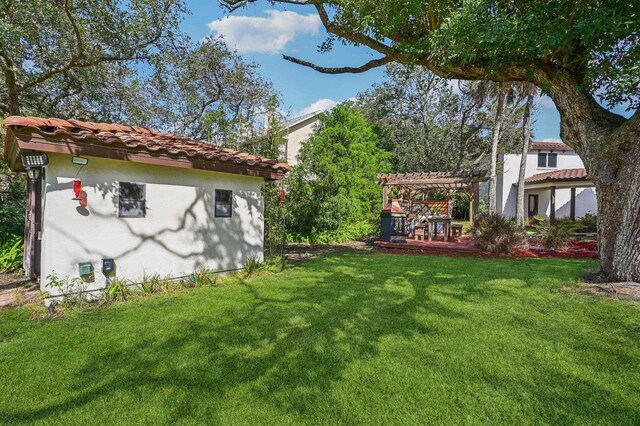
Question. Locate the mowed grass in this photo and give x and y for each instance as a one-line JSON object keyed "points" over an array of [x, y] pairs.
{"points": [[344, 339]]}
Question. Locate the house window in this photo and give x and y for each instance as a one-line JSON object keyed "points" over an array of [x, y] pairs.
{"points": [[132, 200], [224, 200], [547, 160]]}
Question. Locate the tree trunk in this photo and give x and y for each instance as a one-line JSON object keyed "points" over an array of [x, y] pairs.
{"points": [[609, 146], [494, 150], [526, 135]]}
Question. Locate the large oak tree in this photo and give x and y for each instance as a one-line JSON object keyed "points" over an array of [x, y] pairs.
{"points": [[573, 50]]}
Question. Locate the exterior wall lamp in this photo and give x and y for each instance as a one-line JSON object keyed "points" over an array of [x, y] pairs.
{"points": [[34, 162]]}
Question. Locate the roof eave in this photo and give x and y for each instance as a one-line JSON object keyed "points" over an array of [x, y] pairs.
{"points": [[29, 139], [11, 151]]}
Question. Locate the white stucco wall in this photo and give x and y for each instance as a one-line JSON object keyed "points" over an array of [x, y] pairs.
{"points": [[507, 192], [178, 235], [297, 136]]}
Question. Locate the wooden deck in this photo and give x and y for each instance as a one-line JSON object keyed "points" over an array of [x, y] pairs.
{"points": [[463, 246]]}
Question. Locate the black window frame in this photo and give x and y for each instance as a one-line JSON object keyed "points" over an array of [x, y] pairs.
{"points": [[129, 205], [546, 163], [218, 194]]}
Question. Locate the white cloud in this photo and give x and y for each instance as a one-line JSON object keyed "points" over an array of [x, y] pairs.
{"points": [[319, 105], [270, 34]]}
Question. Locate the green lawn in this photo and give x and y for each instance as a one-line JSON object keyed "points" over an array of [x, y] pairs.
{"points": [[350, 338]]}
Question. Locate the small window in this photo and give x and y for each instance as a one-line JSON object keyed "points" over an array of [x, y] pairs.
{"points": [[224, 200], [542, 159], [132, 200], [547, 160]]}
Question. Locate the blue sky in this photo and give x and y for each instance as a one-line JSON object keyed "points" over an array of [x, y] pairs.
{"points": [[262, 34]]}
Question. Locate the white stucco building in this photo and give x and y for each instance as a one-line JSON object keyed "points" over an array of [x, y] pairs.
{"points": [[556, 183], [153, 203], [297, 131]]}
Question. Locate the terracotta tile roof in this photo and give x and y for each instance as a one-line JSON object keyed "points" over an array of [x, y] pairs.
{"points": [[558, 175], [551, 145], [140, 139]]}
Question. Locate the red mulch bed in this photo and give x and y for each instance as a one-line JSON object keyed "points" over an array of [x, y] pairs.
{"points": [[574, 250]]}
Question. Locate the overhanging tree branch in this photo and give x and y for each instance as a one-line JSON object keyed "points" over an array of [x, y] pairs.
{"points": [[374, 63]]}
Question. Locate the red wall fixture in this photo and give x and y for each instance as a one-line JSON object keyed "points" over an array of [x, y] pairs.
{"points": [[77, 187]]}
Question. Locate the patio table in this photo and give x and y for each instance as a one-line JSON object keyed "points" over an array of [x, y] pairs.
{"points": [[433, 229]]}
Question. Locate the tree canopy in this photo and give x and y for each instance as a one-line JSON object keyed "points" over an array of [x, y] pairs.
{"points": [[129, 62], [575, 51], [334, 185], [429, 125]]}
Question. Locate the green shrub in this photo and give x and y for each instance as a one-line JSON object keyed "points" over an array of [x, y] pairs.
{"points": [[151, 283], [588, 223], [349, 232], [494, 233], [117, 289], [332, 190], [252, 265], [11, 253], [204, 277], [554, 235]]}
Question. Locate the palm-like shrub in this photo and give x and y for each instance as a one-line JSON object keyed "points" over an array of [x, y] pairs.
{"points": [[554, 235], [493, 232]]}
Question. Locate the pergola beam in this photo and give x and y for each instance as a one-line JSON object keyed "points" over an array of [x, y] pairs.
{"points": [[433, 180]]}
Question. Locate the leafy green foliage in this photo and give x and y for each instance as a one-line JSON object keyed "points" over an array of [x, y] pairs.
{"points": [[208, 92], [251, 266], [11, 253], [588, 223], [497, 234], [12, 199], [554, 235], [65, 59], [347, 232], [53, 51], [204, 277], [596, 42], [334, 184], [430, 127]]}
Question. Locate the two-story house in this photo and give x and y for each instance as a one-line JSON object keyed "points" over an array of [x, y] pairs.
{"points": [[297, 131], [556, 183]]}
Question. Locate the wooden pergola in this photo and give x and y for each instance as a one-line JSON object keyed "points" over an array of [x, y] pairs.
{"points": [[426, 182]]}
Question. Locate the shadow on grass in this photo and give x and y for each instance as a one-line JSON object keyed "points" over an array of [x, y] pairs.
{"points": [[288, 339]]}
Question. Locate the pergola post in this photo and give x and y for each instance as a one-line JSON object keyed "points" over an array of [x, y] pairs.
{"points": [[474, 203], [385, 196]]}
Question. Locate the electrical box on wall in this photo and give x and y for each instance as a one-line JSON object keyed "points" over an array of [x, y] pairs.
{"points": [[108, 266], [85, 268]]}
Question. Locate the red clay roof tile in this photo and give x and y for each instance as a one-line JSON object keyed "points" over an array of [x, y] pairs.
{"points": [[140, 139], [558, 175], [550, 145]]}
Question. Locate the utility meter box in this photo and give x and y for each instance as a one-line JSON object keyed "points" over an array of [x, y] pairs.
{"points": [[108, 266], [85, 268]]}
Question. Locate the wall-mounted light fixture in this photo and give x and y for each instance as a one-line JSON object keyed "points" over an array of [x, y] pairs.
{"points": [[81, 161], [77, 188], [34, 162]]}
